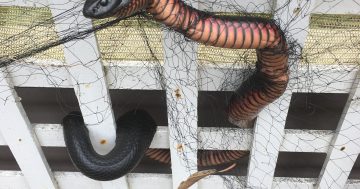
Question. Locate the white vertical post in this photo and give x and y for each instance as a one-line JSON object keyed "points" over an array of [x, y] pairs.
{"points": [[294, 18], [269, 132], [87, 75], [268, 136], [345, 146], [21, 139], [89, 80], [182, 95]]}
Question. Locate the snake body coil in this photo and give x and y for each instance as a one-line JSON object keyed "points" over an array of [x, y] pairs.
{"points": [[205, 158], [267, 83], [135, 131]]}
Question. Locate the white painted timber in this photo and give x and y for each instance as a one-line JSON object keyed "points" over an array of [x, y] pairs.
{"points": [[120, 183], [2, 141], [322, 78], [210, 138], [120, 75], [315, 141], [270, 124], [345, 146], [71, 180], [21, 139], [25, 3], [294, 18], [337, 7], [180, 72], [87, 75], [247, 6], [306, 183], [268, 136], [134, 75]]}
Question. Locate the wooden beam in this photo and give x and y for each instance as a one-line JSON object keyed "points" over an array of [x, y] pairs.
{"points": [[70, 180], [115, 184], [19, 135], [295, 140], [247, 6], [123, 75], [211, 78], [336, 7], [315, 141], [180, 70], [345, 146], [338, 79], [294, 18], [89, 80], [269, 131], [25, 3], [268, 137], [87, 75]]}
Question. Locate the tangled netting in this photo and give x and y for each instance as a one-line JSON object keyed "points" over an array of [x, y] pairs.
{"points": [[197, 81]]}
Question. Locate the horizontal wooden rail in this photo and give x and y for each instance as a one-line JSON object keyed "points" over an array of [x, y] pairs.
{"points": [[212, 77], [211, 138], [69, 180]]}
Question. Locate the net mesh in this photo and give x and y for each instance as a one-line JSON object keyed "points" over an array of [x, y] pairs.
{"points": [[139, 53]]}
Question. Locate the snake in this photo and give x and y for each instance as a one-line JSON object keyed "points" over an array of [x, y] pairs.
{"points": [[267, 83], [126, 154]]}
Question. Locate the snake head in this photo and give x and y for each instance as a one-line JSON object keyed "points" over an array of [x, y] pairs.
{"points": [[103, 8]]}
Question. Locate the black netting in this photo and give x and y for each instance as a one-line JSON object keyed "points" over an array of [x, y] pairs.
{"points": [[139, 53]]}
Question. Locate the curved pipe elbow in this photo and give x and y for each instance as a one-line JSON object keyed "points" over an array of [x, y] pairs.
{"points": [[135, 131]]}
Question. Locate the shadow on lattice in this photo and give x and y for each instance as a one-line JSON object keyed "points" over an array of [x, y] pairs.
{"points": [[310, 111], [50, 105], [315, 111], [307, 111]]}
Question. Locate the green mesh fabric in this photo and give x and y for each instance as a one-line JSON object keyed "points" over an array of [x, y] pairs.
{"points": [[333, 21], [333, 39], [124, 41], [16, 21], [133, 39]]}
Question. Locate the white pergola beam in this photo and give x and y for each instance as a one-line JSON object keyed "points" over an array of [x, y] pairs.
{"points": [[25, 3], [70, 180], [269, 129], [248, 6], [124, 75], [87, 76], [18, 134], [89, 81], [269, 133], [120, 183], [180, 72], [210, 139], [315, 141], [337, 7], [324, 78], [345, 146], [294, 18]]}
